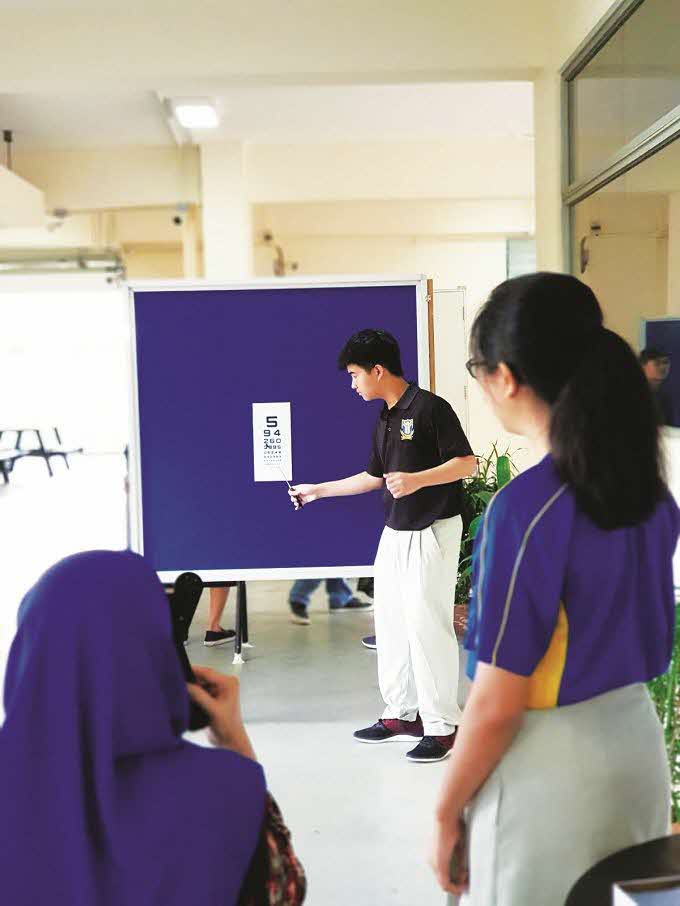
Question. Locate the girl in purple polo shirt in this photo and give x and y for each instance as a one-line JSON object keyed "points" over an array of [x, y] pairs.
{"points": [[560, 758]]}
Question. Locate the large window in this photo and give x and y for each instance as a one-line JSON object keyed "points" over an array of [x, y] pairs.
{"points": [[623, 184], [626, 244], [626, 87]]}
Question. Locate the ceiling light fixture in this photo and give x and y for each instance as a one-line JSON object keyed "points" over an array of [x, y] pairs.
{"points": [[196, 113]]}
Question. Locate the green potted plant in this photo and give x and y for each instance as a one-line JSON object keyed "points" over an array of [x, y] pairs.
{"points": [[493, 472]]}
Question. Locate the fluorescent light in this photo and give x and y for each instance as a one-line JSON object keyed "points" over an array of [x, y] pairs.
{"points": [[196, 113]]}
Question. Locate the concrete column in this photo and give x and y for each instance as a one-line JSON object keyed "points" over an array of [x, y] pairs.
{"points": [[190, 244], [227, 230], [550, 216]]}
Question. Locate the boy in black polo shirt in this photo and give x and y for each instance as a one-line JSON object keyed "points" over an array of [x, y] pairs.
{"points": [[420, 454]]}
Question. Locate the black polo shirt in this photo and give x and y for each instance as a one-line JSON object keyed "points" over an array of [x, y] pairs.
{"points": [[420, 432]]}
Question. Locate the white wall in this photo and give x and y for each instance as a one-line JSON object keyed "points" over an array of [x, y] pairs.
{"points": [[493, 169], [444, 218], [115, 178], [674, 253], [498, 168], [21, 204], [571, 24]]}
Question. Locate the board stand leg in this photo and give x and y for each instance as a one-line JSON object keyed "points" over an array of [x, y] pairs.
{"points": [[244, 619], [241, 623]]}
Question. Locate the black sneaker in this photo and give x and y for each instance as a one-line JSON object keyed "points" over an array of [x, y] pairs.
{"points": [[218, 638], [432, 748], [368, 641], [298, 614], [366, 586], [352, 604], [391, 730]]}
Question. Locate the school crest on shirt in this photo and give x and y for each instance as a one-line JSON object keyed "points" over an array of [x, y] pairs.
{"points": [[407, 429]]}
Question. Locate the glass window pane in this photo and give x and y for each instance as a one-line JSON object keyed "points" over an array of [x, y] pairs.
{"points": [[521, 257], [632, 82], [626, 246], [620, 242]]}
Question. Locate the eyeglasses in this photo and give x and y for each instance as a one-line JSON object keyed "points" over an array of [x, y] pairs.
{"points": [[472, 365]]}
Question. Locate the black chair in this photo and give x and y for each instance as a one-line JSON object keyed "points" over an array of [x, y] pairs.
{"points": [[7, 460], [656, 859]]}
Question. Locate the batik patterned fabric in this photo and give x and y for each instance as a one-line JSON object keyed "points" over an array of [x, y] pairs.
{"points": [[276, 877]]}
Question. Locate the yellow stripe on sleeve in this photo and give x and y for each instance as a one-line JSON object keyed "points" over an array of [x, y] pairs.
{"points": [[545, 682]]}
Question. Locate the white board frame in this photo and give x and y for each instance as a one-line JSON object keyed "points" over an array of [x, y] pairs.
{"points": [[135, 474]]}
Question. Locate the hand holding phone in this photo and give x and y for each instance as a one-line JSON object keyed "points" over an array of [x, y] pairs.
{"points": [[449, 860], [219, 696]]}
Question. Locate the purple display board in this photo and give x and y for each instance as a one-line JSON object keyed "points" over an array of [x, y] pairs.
{"points": [[664, 333], [202, 356]]}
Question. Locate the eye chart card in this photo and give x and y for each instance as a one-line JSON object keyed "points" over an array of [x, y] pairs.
{"points": [[272, 446]]}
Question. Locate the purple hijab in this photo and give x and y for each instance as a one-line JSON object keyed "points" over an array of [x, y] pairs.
{"points": [[101, 801]]}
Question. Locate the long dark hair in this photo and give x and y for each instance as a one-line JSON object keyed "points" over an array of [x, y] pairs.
{"points": [[604, 436]]}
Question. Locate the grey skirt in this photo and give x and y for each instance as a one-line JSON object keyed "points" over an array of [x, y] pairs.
{"points": [[577, 784]]}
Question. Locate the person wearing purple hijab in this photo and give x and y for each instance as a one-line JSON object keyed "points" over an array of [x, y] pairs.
{"points": [[98, 789]]}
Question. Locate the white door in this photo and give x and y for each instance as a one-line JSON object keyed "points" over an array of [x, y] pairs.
{"points": [[450, 350]]}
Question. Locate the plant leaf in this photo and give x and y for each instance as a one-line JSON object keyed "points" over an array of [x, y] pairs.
{"points": [[474, 526], [503, 471]]}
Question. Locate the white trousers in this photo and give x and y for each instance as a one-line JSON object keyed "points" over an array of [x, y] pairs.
{"points": [[415, 581]]}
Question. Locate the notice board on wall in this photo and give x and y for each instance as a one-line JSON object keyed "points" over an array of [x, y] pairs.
{"points": [[236, 389], [664, 333]]}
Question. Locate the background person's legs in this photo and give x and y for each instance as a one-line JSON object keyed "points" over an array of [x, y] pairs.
{"points": [[218, 600], [302, 591], [215, 635], [299, 598], [365, 585], [341, 597], [339, 593]]}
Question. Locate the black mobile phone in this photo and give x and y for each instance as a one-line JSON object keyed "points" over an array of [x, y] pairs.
{"points": [[453, 867], [183, 603]]}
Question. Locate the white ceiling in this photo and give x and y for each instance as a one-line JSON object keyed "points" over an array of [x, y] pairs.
{"points": [[52, 45], [83, 121], [276, 114]]}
